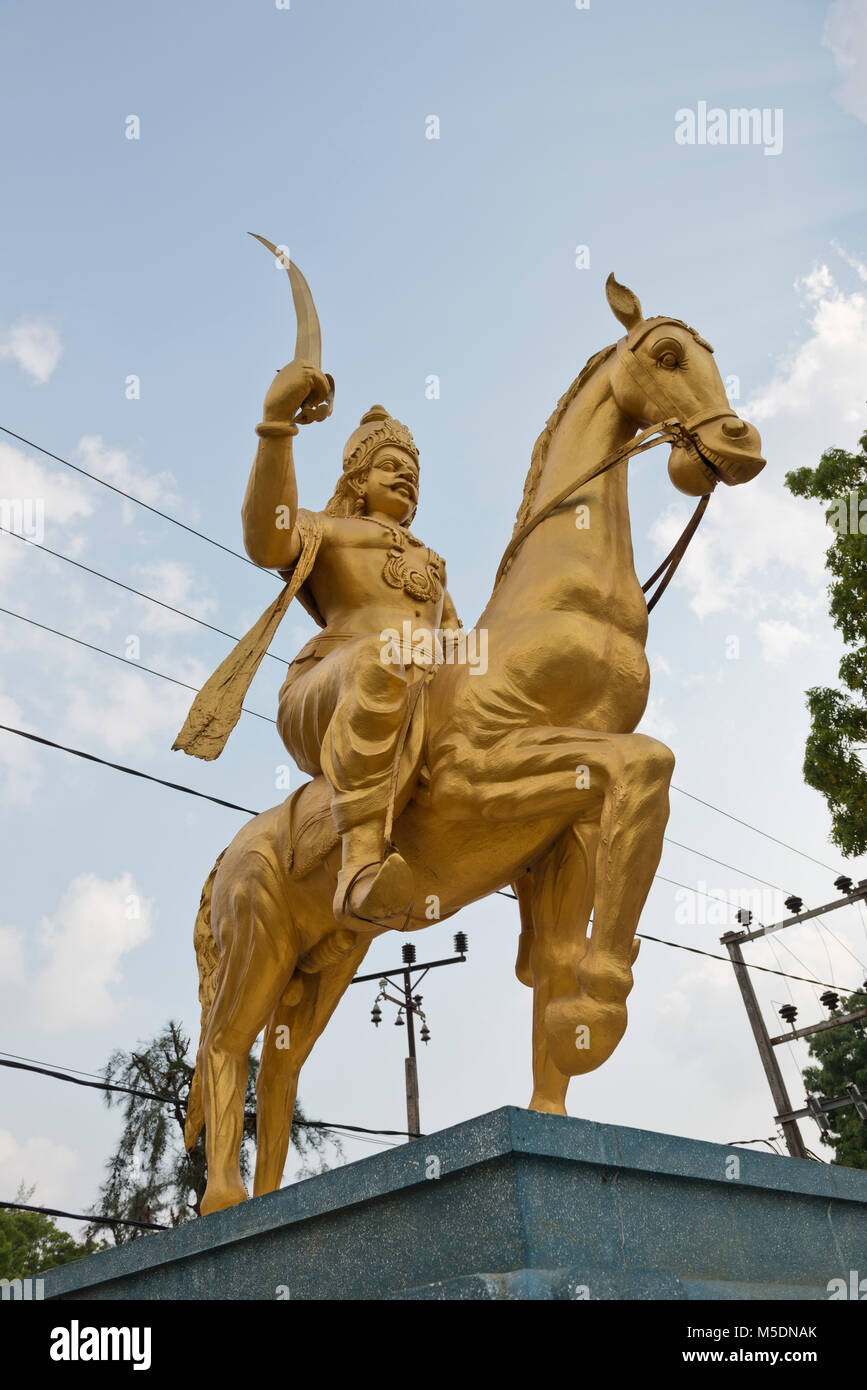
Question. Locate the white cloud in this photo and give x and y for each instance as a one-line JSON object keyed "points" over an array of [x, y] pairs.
{"points": [[822, 383], [37, 500], [759, 548], [845, 33], [655, 722], [39, 1162], [96, 924], [69, 974], [115, 466], [20, 767], [749, 539], [779, 639], [123, 710], [12, 969], [173, 583], [35, 346]]}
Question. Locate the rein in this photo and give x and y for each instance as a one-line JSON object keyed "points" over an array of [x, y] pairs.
{"points": [[671, 431]]}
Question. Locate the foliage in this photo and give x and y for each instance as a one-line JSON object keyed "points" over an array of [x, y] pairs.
{"points": [[839, 717], [151, 1177], [31, 1242], [842, 1056]]}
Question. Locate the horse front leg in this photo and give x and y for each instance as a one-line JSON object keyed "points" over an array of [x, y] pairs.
{"points": [[556, 898], [584, 1028], [621, 782]]}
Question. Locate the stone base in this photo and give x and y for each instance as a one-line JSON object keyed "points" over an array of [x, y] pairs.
{"points": [[513, 1205]]}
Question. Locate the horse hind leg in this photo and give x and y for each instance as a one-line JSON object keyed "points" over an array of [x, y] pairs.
{"points": [[303, 1013], [257, 958]]}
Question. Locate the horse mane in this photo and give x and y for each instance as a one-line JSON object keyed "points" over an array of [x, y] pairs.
{"points": [[540, 448]]}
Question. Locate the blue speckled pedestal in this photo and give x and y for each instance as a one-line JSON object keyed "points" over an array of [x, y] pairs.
{"points": [[526, 1206]]}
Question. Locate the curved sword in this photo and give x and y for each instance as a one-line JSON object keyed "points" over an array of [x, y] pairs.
{"points": [[308, 342]]}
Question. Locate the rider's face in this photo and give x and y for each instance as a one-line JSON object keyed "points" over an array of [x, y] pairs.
{"points": [[391, 486]]}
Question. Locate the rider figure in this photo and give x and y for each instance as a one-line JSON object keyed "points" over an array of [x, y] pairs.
{"points": [[346, 706]]}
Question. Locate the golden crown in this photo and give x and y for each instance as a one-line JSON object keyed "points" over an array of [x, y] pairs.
{"points": [[377, 427]]}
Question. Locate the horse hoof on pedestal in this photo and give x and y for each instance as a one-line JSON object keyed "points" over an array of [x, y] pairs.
{"points": [[218, 1198], [582, 1032]]}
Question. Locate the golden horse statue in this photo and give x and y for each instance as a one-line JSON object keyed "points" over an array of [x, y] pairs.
{"points": [[533, 775]]}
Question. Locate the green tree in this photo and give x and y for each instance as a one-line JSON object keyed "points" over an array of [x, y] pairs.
{"points": [[30, 1242], [839, 717], [151, 1177], [842, 1057]]}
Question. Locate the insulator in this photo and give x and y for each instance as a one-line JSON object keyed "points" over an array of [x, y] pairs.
{"points": [[788, 1013], [376, 1015], [843, 883], [461, 943], [744, 916], [794, 904], [398, 1022], [830, 999], [408, 953], [425, 1033]]}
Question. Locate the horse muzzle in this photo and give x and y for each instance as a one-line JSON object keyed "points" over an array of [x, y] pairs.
{"points": [[713, 449]]}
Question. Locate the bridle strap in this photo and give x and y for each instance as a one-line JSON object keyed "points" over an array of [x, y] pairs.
{"points": [[675, 555], [668, 430], [673, 430]]}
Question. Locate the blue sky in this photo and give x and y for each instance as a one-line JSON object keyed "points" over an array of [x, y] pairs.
{"points": [[454, 257]]}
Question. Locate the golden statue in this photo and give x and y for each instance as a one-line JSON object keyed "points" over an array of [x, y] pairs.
{"points": [[436, 780]]}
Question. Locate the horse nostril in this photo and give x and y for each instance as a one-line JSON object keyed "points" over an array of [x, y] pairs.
{"points": [[735, 429]]}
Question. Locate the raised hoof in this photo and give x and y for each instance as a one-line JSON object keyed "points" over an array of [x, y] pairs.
{"points": [[582, 1032], [378, 895]]}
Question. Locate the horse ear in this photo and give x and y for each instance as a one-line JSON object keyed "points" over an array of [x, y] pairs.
{"points": [[625, 305]]}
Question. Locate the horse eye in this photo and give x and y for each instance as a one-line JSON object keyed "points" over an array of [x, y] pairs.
{"points": [[668, 360]]}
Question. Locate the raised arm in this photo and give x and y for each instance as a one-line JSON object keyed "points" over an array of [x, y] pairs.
{"points": [[298, 394]]}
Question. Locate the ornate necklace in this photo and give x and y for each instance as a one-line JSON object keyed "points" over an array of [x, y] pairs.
{"points": [[424, 584]]}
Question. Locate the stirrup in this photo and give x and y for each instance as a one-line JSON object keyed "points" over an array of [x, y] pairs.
{"points": [[348, 911]]}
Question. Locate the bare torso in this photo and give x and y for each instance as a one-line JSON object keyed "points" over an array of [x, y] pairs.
{"points": [[365, 582]]}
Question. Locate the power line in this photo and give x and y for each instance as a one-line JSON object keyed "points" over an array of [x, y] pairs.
{"points": [[232, 806], [94, 1220], [722, 863], [737, 819], [136, 665], [700, 891], [177, 1100], [129, 497], [856, 959], [19, 1058], [229, 551], [131, 771], [127, 661], [246, 559], [139, 593], [95, 1085], [766, 969]]}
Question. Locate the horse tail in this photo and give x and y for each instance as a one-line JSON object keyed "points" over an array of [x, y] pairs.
{"points": [[207, 960]]}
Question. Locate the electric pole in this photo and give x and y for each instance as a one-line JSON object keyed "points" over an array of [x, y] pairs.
{"points": [[408, 1009], [785, 1115]]}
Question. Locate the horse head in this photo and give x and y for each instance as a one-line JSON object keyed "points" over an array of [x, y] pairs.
{"points": [[664, 370]]}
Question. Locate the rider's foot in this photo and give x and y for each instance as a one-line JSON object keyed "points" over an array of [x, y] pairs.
{"points": [[378, 894]]}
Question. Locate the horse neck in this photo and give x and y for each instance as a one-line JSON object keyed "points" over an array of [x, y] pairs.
{"points": [[591, 426]]}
